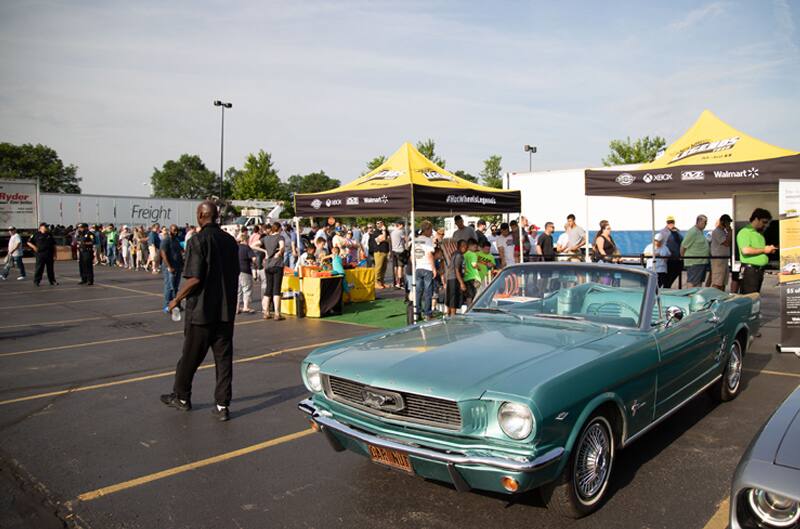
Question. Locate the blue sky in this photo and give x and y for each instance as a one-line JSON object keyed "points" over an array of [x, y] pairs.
{"points": [[119, 87]]}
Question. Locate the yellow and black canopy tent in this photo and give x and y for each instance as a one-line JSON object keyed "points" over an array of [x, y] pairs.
{"points": [[711, 160], [407, 181]]}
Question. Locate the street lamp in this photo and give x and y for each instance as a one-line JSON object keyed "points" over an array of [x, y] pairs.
{"points": [[223, 106], [530, 149]]}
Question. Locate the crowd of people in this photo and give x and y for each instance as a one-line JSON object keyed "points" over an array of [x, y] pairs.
{"points": [[447, 269]]}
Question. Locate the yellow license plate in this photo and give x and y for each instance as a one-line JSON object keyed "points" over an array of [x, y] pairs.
{"points": [[391, 458]]}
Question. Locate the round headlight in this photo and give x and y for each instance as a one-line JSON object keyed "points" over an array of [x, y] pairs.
{"points": [[313, 377], [516, 420], [773, 510]]}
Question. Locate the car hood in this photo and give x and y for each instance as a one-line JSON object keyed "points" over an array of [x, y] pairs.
{"points": [[788, 454], [458, 358]]}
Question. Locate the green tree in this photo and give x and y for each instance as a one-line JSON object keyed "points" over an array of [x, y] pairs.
{"points": [[308, 183], [428, 150], [466, 176], [492, 172], [374, 164], [186, 177], [258, 179], [642, 150], [29, 162]]}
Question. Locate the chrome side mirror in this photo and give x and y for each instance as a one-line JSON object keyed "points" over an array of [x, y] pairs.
{"points": [[674, 315]]}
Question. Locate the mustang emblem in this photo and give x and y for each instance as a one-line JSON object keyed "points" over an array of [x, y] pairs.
{"points": [[382, 400]]}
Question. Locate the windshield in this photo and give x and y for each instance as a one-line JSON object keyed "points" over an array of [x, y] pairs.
{"points": [[603, 294]]}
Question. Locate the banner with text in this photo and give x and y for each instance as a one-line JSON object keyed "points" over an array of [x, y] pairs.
{"points": [[789, 209], [19, 204]]}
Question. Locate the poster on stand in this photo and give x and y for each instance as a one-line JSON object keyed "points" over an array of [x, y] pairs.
{"points": [[789, 215]]}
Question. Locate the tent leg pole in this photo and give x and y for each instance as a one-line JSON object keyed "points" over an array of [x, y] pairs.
{"points": [[521, 245], [586, 243], [653, 228], [413, 289], [299, 253]]}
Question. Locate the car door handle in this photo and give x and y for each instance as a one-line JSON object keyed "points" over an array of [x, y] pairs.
{"points": [[713, 319]]}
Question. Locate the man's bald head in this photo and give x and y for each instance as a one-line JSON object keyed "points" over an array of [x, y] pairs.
{"points": [[207, 213]]}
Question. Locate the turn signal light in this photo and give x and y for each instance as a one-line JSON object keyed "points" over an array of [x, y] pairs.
{"points": [[510, 484], [314, 426]]}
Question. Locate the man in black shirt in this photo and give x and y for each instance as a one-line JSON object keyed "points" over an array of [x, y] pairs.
{"points": [[43, 243], [544, 245], [379, 249], [212, 276], [85, 241]]}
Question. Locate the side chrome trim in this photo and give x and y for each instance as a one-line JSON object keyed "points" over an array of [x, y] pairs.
{"points": [[326, 422], [669, 413]]}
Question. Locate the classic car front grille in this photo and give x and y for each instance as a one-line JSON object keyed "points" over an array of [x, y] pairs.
{"points": [[441, 413]]}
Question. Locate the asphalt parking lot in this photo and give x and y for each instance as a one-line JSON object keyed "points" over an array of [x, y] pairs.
{"points": [[85, 442]]}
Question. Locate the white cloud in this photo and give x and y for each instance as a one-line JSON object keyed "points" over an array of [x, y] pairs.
{"points": [[695, 16]]}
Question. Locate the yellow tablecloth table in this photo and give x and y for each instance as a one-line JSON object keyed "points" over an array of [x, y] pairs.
{"points": [[322, 295], [360, 283]]}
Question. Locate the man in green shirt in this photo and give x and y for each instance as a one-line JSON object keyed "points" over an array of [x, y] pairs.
{"points": [[754, 251], [111, 244], [472, 276], [695, 251]]}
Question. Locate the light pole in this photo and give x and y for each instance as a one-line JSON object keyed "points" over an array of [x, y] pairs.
{"points": [[530, 149], [223, 106]]}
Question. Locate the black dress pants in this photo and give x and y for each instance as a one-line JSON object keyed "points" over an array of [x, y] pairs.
{"points": [[44, 261], [752, 278], [86, 266], [196, 341], [674, 269]]}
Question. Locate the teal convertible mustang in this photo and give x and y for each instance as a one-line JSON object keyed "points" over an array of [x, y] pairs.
{"points": [[554, 368]]}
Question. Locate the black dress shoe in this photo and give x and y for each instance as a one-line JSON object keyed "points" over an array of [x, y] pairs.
{"points": [[222, 415], [54, 284], [172, 400], [82, 283], [36, 283]]}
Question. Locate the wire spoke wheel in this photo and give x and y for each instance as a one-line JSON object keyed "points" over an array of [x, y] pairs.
{"points": [[734, 367], [593, 462]]}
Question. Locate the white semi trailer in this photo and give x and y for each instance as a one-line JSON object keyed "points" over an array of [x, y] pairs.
{"points": [[70, 209]]}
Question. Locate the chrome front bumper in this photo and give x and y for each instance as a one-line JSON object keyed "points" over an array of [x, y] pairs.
{"points": [[326, 423]]}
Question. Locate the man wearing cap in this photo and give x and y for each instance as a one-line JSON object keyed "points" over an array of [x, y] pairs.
{"points": [[44, 245], [754, 252], [86, 243], [720, 252], [14, 257], [672, 239], [657, 261]]}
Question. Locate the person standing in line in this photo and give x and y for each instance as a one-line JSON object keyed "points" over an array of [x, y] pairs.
{"points": [[212, 277], [273, 247], [399, 255], [695, 251], [544, 246], [605, 249], [455, 279], [247, 258], [172, 264], [153, 243], [754, 251], [505, 246], [125, 246], [44, 246], [659, 266], [463, 232], [111, 245], [672, 239], [480, 232], [721, 247], [14, 257], [379, 249], [472, 276], [86, 250], [97, 234], [425, 270], [576, 237]]}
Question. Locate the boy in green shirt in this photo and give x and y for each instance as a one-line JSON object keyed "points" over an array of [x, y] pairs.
{"points": [[471, 274], [486, 262]]}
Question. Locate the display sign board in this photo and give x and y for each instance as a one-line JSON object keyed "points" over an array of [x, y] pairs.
{"points": [[19, 204], [789, 209]]}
